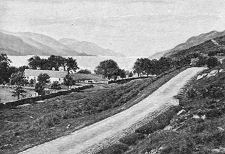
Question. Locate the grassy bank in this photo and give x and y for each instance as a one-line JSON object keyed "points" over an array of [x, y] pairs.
{"points": [[34, 124], [199, 126]]}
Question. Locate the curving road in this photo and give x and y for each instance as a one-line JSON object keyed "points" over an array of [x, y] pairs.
{"points": [[90, 138]]}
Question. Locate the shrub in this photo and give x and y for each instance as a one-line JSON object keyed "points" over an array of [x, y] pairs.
{"points": [[114, 149], [55, 85], [150, 127], [170, 142], [47, 121], [212, 62], [191, 93], [132, 139]]}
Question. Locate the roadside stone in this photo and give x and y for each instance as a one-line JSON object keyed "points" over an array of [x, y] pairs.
{"points": [[168, 127], [220, 129], [219, 150], [203, 117], [196, 116], [212, 73], [181, 111]]}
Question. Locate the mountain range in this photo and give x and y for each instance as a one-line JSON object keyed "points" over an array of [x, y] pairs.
{"points": [[27, 43], [203, 43]]}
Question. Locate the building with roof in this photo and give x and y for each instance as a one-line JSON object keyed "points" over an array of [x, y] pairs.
{"points": [[31, 74]]}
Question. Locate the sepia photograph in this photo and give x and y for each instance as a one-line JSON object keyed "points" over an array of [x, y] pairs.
{"points": [[112, 76]]}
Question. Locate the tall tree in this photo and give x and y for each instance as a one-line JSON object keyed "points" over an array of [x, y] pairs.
{"points": [[18, 79], [122, 73], [43, 78], [19, 91], [68, 80], [4, 68], [39, 88], [71, 64], [35, 62], [56, 61], [138, 66], [107, 68]]}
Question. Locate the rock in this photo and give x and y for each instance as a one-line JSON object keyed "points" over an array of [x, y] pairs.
{"points": [[220, 129], [219, 150], [68, 126], [196, 116], [165, 149], [181, 111], [168, 127], [212, 73], [201, 76], [203, 117], [154, 151]]}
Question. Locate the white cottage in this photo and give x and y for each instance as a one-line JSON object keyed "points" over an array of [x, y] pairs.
{"points": [[54, 75]]}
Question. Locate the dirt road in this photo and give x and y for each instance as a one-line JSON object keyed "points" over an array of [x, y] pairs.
{"points": [[87, 139]]}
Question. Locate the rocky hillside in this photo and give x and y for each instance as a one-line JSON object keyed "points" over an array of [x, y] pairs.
{"points": [[194, 44], [195, 40], [212, 45]]}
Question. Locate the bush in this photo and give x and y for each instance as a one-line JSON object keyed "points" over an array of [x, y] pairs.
{"points": [[150, 127], [132, 139], [114, 149], [212, 62], [55, 85], [191, 93], [168, 142]]}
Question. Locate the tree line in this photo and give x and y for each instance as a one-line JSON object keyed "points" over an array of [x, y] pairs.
{"points": [[108, 69], [51, 62]]}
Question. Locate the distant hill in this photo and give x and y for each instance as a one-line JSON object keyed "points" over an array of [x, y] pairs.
{"points": [[201, 43], [158, 55], [88, 48], [194, 41], [27, 43], [215, 44]]}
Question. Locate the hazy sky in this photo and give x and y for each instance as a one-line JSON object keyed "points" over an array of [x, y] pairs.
{"points": [[132, 27]]}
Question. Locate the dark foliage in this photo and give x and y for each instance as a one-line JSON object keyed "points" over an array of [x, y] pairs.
{"points": [[132, 139], [114, 149]]}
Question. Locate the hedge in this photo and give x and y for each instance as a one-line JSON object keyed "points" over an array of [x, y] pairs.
{"points": [[38, 98]]}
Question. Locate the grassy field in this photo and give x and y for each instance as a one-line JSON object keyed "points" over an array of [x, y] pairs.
{"points": [[6, 94], [30, 125], [198, 129]]}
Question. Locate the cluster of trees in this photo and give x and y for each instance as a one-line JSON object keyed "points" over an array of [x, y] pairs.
{"points": [[110, 69], [85, 71], [53, 61], [145, 66]]}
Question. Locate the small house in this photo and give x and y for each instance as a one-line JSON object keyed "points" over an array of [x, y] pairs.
{"points": [[31, 74]]}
